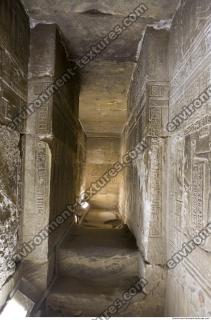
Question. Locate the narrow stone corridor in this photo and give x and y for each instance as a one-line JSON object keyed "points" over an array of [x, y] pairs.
{"points": [[105, 158]]}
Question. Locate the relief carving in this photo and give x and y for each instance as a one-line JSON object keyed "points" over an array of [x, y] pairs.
{"points": [[42, 177], [197, 181], [155, 190]]}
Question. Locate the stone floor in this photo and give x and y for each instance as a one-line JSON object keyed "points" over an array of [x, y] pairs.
{"points": [[97, 262]]}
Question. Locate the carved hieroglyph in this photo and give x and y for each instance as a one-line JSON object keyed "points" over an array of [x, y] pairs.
{"points": [[189, 284], [51, 172], [145, 179], [14, 50]]}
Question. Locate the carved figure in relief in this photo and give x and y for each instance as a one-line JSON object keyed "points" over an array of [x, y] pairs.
{"points": [[197, 182]]}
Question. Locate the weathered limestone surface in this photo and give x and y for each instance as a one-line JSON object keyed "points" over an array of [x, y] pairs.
{"points": [[51, 137], [14, 52], [81, 161], [95, 267], [164, 195], [84, 23], [103, 97], [105, 81], [102, 153], [143, 182], [189, 284]]}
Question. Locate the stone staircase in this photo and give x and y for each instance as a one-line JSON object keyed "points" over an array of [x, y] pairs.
{"points": [[95, 267]]}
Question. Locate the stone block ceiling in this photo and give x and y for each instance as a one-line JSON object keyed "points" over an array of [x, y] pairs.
{"points": [[105, 82]]}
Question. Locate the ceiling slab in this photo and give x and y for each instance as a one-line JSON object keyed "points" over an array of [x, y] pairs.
{"points": [[105, 82], [85, 22]]}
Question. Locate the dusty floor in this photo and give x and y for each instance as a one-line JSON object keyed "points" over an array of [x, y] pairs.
{"points": [[97, 262]]}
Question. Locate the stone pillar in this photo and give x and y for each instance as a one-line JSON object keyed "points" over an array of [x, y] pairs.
{"points": [[14, 52], [51, 135], [145, 179], [189, 166]]}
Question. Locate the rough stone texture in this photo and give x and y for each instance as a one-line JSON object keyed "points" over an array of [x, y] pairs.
{"points": [[103, 97], [90, 20], [95, 267], [164, 196], [105, 82], [81, 161], [155, 290], [104, 219], [51, 137], [102, 153], [14, 51], [37, 277], [143, 182], [189, 284]]}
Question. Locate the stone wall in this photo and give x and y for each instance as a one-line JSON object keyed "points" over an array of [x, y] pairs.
{"points": [[102, 153], [142, 196], [165, 195], [81, 161], [189, 150], [51, 137], [14, 52]]}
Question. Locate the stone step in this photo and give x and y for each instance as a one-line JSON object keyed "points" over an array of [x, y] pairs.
{"points": [[94, 253], [96, 266], [73, 297]]}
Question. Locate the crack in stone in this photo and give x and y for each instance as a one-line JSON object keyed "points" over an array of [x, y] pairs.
{"points": [[95, 12]]}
